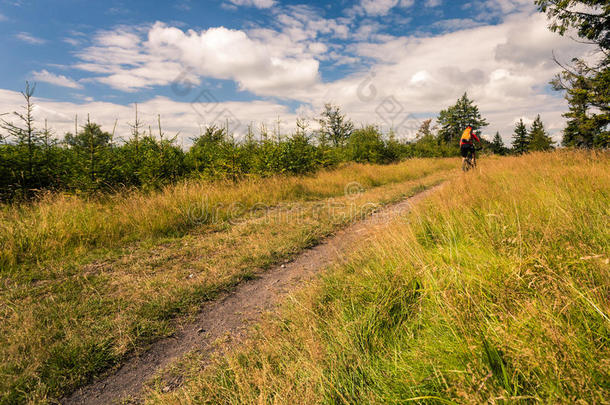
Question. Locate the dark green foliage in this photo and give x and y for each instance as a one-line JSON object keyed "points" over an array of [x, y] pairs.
{"points": [[539, 140], [587, 87], [454, 119], [25, 165], [91, 156], [497, 145], [367, 145], [584, 128], [428, 144], [520, 138]]}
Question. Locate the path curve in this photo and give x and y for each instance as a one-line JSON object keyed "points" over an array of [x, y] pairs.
{"points": [[232, 314]]}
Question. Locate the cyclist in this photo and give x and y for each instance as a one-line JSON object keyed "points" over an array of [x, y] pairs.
{"points": [[466, 143]]}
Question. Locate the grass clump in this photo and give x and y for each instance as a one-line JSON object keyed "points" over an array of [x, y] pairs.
{"points": [[495, 291]]}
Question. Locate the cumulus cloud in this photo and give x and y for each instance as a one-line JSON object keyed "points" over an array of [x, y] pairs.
{"points": [[58, 80], [29, 38], [263, 65], [505, 68]]}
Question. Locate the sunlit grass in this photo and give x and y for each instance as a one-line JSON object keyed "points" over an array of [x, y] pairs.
{"points": [[497, 290], [62, 225], [65, 318]]}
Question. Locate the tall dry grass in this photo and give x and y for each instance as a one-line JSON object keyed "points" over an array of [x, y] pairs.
{"points": [[62, 225], [496, 291]]}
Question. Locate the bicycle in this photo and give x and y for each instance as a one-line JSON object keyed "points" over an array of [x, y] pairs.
{"points": [[471, 160]]}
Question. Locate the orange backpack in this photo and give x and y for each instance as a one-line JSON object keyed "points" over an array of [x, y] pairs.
{"points": [[467, 134]]}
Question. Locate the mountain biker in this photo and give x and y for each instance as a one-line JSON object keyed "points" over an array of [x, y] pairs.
{"points": [[466, 143]]}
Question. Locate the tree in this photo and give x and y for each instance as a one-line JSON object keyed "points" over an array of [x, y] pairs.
{"points": [[26, 136], [539, 140], [366, 146], [90, 146], [454, 119], [589, 17], [334, 125], [497, 145], [587, 87], [207, 151], [520, 138], [580, 130]]}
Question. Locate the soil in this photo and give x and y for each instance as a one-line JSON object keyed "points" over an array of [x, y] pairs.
{"points": [[229, 317]]}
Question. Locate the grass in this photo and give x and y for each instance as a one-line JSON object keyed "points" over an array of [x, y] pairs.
{"points": [[62, 226], [85, 282], [497, 290]]}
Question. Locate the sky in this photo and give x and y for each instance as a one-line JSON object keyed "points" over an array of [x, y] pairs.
{"points": [[393, 63]]}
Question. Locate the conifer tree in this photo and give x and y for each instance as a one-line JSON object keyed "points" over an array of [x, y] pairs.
{"points": [[520, 138], [454, 119], [538, 139], [90, 147], [586, 86], [497, 145], [335, 126], [27, 138]]}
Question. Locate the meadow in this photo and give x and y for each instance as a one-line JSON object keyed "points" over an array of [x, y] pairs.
{"points": [[87, 281], [495, 290]]}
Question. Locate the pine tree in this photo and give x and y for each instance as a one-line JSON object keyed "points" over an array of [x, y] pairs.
{"points": [[520, 138], [586, 86], [454, 119], [90, 146], [497, 145], [28, 140], [335, 126], [538, 139]]}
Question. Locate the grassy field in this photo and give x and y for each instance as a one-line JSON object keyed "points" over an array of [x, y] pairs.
{"points": [[496, 290], [84, 282]]}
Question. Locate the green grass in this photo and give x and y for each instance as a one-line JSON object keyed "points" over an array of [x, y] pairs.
{"points": [[79, 293], [497, 290]]}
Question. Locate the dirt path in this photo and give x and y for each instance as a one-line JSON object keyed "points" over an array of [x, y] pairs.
{"points": [[233, 313]]}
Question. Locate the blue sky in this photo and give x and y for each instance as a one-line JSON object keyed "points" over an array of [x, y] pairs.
{"points": [[390, 62]]}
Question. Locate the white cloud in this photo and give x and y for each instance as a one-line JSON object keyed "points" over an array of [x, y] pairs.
{"points": [[183, 118], [505, 68], [253, 3], [29, 38], [433, 3], [377, 8], [3, 17], [265, 64], [58, 80]]}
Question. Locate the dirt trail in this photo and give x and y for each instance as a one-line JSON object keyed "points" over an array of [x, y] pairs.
{"points": [[233, 313]]}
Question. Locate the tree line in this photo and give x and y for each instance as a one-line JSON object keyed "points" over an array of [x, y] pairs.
{"points": [[90, 159]]}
